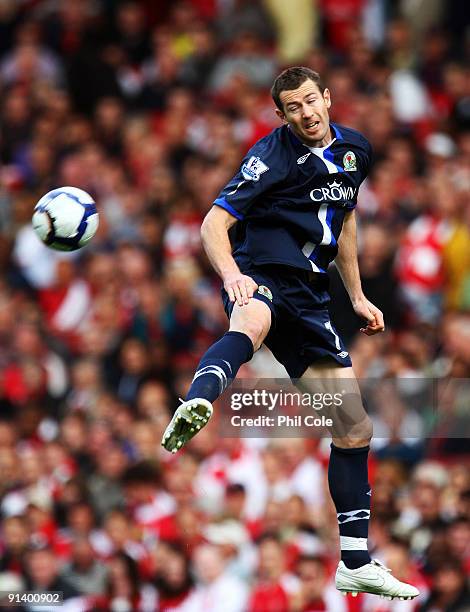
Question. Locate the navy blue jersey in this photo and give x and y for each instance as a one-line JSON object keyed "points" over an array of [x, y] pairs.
{"points": [[292, 198]]}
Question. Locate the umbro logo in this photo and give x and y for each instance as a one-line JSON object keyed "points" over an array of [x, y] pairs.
{"points": [[343, 354], [303, 159]]}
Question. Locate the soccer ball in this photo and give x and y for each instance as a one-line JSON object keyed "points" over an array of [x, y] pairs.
{"points": [[65, 219]]}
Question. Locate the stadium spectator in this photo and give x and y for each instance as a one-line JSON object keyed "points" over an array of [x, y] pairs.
{"points": [[214, 583], [43, 573]]}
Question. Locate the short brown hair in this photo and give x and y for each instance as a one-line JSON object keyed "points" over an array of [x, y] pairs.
{"points": [[292, 78]]}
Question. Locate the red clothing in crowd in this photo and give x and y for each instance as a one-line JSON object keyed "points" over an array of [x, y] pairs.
{"points": [[420, 262], [340, 17], [268, 598]]}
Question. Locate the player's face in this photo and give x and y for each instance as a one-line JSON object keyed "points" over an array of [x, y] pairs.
{"points": [[306, 111]]}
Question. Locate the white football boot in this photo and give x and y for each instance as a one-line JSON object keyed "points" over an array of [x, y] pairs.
{"points": [[373, 578], [188, 419]]}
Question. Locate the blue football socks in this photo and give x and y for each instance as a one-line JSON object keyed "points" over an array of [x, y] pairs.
{"points": [[219, 365], [350, 491]]}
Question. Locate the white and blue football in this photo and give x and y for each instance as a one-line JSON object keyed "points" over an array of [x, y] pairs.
{"points": [[66, 219]]}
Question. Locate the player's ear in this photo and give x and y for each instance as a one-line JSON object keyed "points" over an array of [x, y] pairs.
{"points": [[281, 115], [327, 97]]}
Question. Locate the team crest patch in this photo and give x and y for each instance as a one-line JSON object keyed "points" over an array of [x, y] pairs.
{"points": [[263, 290], [349, 162], [253, 169]]}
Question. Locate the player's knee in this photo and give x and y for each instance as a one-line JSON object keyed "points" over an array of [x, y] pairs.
{"points": [[359, 435], [253, 328], [256, 332], [254, 321]]}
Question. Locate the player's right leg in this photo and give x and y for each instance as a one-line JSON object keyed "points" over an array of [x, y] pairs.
{"points": [[348, 482], [249, 325]]}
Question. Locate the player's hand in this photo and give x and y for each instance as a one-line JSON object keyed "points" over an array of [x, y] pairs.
{"points": [[240, 288], [374, 317]]}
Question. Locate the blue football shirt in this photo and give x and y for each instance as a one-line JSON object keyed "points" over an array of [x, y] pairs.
{"points": [[292, 198]]}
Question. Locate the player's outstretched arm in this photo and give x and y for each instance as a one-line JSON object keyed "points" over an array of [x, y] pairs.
{"points": [[216, 243], [348, 267]]}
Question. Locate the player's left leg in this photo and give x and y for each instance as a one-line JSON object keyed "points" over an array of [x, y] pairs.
{"points": [[218, 367], [348, 482]]}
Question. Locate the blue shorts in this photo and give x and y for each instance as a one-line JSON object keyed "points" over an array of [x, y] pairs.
{"points": [[301, 331]]}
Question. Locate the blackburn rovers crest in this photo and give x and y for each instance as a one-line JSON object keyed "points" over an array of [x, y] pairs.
{"points": [[349, 162]]}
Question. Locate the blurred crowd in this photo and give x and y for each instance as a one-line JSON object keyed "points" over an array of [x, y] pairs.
{"points": [[150, 106]]}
